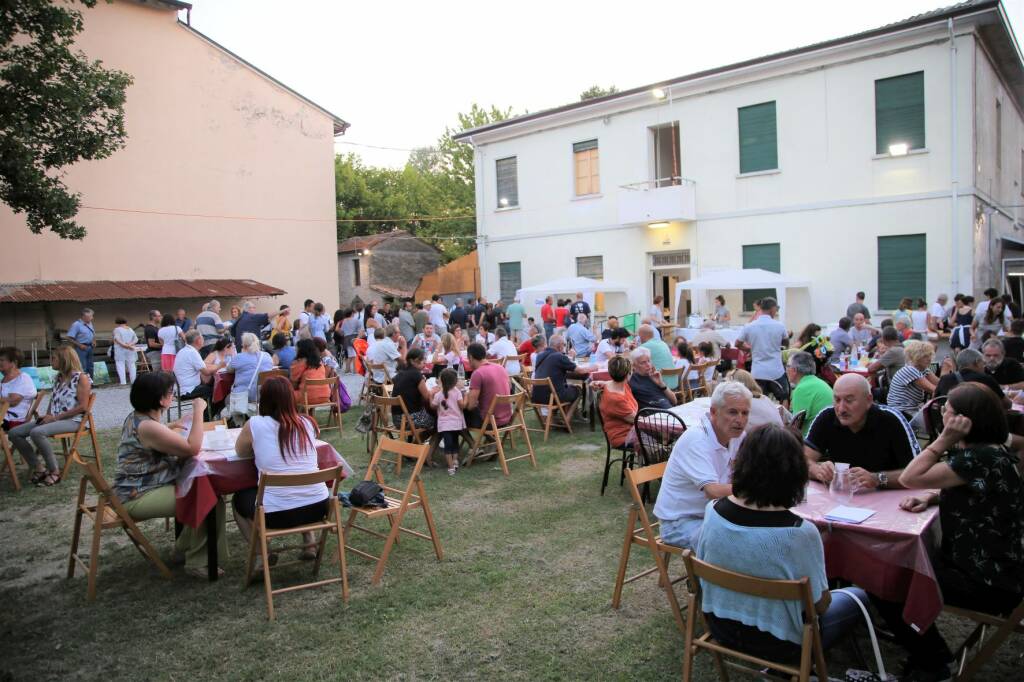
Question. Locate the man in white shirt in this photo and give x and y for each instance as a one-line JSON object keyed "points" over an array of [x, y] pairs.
{"points": [[307, 312], [700, 466], [503, 348], [707, 334], [388, 348], [428, 340], [193, 374], [438, 314], [939, 310], [765, 337]]}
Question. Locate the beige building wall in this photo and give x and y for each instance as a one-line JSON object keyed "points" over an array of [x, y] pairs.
{"points": [[207, 135]]}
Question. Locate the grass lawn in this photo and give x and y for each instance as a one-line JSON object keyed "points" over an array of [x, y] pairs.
{"points": [[524, 592]]}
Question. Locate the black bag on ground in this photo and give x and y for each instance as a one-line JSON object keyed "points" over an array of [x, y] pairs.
{"points": [[362, 495]]}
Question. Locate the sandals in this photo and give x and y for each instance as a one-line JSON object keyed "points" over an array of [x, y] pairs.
{"points": [[48, 480], [38, 476]]}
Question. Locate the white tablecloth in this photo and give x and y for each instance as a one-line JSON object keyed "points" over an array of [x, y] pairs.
{"points": [[730, 334], [692, 411]]}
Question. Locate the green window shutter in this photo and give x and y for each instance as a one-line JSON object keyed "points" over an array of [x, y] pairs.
{"points": [[510, 278], [762, 257], [759, 148], [899, 111], [902, 269]]}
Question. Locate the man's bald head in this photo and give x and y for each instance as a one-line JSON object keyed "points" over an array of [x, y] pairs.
{"points": [[852, 400], [645, 332], [849, 383]]}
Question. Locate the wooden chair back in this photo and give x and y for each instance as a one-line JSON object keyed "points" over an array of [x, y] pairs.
{"points": [[383, 427], [108, 512], [1001, 629], [330, 524], [398, 501], [523, 358], [8, 453], [498, 434], [786, 590], [262, 377], [682, 390], [703, 386], [331, 402], [372, 367], [640, 531], [69, 441], [553, 413]]}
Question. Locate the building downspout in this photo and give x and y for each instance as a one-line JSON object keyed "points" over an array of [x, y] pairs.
{"points": [[481, 239], [954, 189]]}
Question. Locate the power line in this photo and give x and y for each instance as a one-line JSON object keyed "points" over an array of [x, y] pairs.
{"points": [[427, 150], [406, 219]]}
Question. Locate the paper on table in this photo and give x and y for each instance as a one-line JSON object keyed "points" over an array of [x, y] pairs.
{"points": [[849, 514], [214, 440]]}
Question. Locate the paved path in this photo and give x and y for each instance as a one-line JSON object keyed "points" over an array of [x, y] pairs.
{"points": [[112, 404]]}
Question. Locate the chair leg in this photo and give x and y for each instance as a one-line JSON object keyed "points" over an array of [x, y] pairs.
{"points": [[342, 561], [388, 544], [67, 458], [266, 562], [985, 652], [690, 651], [529, 443], [94, 556], [9, 463], [251, 555], [430, 520], [607, 467], [501, 454], [627, 546], [76, 535]]}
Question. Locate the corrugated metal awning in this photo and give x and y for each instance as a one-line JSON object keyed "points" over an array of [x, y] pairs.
{"points": [[123, 290]]}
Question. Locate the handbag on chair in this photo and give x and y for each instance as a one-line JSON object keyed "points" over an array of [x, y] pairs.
{"points": [[238, 403]]}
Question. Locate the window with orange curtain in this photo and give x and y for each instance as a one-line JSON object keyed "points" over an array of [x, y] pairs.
{"points": [[585, 162]]}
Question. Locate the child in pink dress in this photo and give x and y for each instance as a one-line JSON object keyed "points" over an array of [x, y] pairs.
{"points": [[449, 403]]}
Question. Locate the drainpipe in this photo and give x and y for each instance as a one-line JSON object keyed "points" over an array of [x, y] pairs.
{"points": [[954, 189], [478, 177]]}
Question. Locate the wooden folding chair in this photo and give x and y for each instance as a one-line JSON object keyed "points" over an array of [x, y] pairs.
{"points": [[330, 524], [108, 512], [331, 404], [682, 391], [8, 453], [645, 535], [1003, 627], [397, 507], [262, 377], [703, 386], [69, 440], [523, 358], [553, 413], [811, 653], [371, 387], [382, 424], [498, 434]]}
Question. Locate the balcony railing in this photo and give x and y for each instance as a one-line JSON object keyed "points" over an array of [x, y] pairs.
{"points": [[661, 199]]}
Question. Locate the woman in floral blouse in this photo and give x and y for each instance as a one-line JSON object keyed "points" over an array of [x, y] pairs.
{"points": [[981, 509]]}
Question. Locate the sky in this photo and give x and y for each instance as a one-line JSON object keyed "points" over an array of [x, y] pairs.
{"points": [[399, 72]]}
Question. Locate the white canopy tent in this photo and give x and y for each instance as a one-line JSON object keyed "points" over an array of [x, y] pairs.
{"points": [[569, 286], [700, 288]]}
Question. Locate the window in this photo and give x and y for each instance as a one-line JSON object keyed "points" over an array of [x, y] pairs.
{"points": [[759, 150], [763, 257], [901, 269], [355, 272], [508, 182], [999, 135], [666, 155], [585, 161], [510, 280], [590, 266], [1021, 183], [899, 112]]}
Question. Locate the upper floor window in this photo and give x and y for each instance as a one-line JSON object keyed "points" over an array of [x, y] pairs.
{"points": [[508, 182], [899, 113], [590, 266], [759, 142], [665, 140], [585, 162]]}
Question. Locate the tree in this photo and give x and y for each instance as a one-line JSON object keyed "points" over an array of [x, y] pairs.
{"points": [[595, 91], [56, 108]]}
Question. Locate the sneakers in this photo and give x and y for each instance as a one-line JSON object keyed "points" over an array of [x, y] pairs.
{"points": [[452, 470]]}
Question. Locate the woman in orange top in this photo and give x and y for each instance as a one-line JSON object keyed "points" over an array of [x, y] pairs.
{"points": [[618, 406], [360, 346], [308, 365]]}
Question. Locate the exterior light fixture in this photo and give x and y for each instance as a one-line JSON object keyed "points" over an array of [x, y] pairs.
{"points": [[658, 93], [899, 149], [503, 201], [660, 225], [366, 252]]}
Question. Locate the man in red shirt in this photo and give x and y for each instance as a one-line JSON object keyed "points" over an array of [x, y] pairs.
{"points": [[547, 316], [529, 348], [488, 380], [562, 314]]}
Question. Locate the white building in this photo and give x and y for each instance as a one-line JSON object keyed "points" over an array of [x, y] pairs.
{"points": [[888, 161]]}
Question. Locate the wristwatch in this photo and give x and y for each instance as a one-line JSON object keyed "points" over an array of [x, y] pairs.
{"points": [[883, 479]]}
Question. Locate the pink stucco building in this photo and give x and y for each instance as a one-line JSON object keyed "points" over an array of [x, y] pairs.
{"points": [[227, 175]]}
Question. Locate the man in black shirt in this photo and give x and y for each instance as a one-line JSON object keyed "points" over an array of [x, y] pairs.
{"points": [[646, 384], [479, 311], [457, 316], [152, 340], [873, 439], [580, 306], [1005, 371], [970, 366], [1013, 344], [554, 364]]}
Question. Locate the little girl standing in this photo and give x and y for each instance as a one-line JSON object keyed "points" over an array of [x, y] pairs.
{"points": [[449, 403]]}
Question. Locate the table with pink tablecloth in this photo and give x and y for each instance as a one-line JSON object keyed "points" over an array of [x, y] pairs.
{"points": [[887, 554]]}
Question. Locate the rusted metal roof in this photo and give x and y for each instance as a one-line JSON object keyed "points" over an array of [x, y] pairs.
{"points": [[368, 241], [107, 290]]}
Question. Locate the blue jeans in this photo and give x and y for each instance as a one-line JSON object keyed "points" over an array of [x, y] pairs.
{"points": [[683, 532], [549, 329], [85, 357]]}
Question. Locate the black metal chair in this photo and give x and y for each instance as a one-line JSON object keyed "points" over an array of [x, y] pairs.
{"points": [[628, 458], [933, 416], [656, 434], [797, 422]]}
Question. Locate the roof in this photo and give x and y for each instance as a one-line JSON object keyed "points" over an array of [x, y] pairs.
{"points": [[368, 241], [122, 290], [392, 291], [941, 14], [340, 125]]}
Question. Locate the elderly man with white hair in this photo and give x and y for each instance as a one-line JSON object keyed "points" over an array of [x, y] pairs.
{"points": [[580, 336], [646, 383], [708, 334], [251, 322], [700, 466]]}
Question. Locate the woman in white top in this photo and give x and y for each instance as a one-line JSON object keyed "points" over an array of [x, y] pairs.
{"points": [[168, 335], [920, 320], [17, 390], [125, 356], [282, 442], [762, 409], [223, 351]]}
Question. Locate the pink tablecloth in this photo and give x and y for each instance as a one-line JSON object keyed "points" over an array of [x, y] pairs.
{"points": [[887, 554], [211, 474]]}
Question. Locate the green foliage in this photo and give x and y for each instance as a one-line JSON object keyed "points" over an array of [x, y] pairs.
{"points": [[595, 91], [436, 182], [56, 108]]}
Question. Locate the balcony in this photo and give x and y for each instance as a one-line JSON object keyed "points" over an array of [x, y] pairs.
{"points": [[661, 200]]}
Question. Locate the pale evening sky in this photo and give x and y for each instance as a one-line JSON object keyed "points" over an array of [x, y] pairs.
{"points": [[400, 71]]}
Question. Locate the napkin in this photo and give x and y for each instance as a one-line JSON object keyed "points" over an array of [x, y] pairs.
{"points": [[849, 514]]}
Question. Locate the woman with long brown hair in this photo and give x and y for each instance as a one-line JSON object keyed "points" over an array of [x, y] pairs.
{"points": [[282, 442]]}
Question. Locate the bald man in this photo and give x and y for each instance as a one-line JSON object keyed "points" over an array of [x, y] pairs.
{"points": [[875, 440]]}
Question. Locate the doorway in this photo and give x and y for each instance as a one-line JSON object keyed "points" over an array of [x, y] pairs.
{"points": [[668, 268]]}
